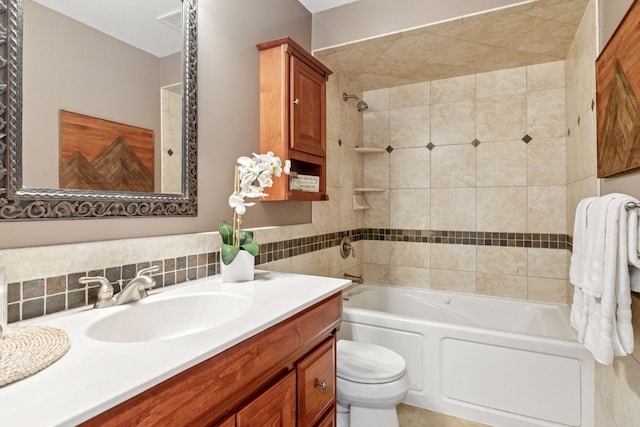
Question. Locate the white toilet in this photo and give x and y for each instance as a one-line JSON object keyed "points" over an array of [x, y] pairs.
{"points": [[372, 380]]}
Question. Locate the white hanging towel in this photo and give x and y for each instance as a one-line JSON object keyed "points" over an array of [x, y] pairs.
{"points": [[601, 309], [634, 256]]}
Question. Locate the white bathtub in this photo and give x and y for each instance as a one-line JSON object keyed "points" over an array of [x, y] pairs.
{"points": [[498, 361]]}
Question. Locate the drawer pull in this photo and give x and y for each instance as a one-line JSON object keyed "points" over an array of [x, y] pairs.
{"points": [[296, 101], [323, 385]]}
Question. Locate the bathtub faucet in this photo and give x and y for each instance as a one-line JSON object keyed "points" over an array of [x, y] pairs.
{"points": [[346, 247], [356, 279]]}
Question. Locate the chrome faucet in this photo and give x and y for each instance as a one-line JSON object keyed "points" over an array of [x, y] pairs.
{"points": [[135, 290], [355, 279]]}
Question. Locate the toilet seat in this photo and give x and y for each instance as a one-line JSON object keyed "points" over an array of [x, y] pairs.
{"points": [[367, 363]]}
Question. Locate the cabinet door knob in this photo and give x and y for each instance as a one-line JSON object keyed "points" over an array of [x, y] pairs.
{"points": [[323, 385], [296, 101]]}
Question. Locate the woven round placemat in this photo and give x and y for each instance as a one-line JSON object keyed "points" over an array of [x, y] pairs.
{"points": [[29, 349]]}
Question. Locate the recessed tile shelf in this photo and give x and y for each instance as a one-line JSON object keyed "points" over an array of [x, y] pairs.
{"points": [[369, 150], [359, 203]]}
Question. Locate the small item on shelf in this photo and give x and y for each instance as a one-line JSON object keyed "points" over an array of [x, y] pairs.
{"points": [[301, 182]]}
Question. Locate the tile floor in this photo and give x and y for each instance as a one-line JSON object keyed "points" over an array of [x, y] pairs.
{"points": [[410, 416]]}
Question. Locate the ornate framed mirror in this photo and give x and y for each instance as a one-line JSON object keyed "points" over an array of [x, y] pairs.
{"points": [[22, 127]]}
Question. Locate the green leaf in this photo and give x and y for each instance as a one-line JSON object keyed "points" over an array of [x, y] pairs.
{"points": [[228, 253], [226, 232], [253, 248], [246, 237]]}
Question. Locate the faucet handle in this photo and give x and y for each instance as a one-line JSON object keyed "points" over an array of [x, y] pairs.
{"points": [[105, 293], [148, 270], [151, 283]]}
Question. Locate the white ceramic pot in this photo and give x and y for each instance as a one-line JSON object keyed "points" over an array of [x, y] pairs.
{"points": [[240, 270]]}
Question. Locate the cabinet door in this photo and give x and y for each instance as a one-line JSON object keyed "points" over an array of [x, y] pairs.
{"points": [[229, 422], [276, 407], [307, 109], [316, 383], [329, 420]]}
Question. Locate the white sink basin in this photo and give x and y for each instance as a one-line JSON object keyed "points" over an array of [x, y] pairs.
{"points": [[166, 318]]}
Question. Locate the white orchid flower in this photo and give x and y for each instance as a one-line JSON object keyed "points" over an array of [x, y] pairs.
{"points": [[265, 180], [255, 174], [237, 202], [252, 191]]}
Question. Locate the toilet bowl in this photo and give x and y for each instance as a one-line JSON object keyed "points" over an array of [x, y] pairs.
{"points": [[371, 381]]}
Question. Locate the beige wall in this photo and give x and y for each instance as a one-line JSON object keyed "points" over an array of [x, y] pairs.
{"points": [[502, 185], [610, 13], [227, 128]]}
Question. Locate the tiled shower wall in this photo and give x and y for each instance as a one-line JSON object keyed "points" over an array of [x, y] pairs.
{"points": [[478, 153]]}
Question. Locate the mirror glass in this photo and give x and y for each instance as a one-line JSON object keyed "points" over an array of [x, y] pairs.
{"points": [[98, 108], [103, 109]]}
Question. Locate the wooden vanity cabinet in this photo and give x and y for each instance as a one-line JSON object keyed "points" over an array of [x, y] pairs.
{"points": [[293, 113], [316, 375], [274, 407], [273, 378]]}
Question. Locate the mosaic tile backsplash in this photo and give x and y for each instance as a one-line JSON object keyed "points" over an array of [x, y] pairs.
{"points": [[37, 297]]}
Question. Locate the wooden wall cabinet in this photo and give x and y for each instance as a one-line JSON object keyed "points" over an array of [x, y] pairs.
{"points": [[283, 376], [293, 113]]}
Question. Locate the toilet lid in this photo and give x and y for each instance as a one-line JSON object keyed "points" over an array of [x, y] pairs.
{"points": [[368, 363]]}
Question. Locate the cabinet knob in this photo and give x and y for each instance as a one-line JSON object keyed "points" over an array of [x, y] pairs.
{"points": [[296, 101], [323, 385]]}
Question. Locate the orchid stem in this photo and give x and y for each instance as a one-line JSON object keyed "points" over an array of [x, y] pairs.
{"points": [[236, 217]]}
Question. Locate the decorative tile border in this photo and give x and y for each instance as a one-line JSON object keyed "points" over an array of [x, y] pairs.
{"points": [[479, 238], [37, 297]]}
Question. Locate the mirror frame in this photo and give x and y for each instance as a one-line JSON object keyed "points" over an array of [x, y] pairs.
{"points": [[18, 203]]}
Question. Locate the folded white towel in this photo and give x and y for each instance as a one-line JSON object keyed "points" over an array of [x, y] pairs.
{"points": [[633, 255], [598, 231], [576, 269], [601, 309]]}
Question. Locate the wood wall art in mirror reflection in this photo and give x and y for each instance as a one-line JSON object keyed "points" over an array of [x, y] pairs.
{"points": [[618, 98], [97, 154]]}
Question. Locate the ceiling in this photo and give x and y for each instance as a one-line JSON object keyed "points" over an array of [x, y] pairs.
{"points": [[124, 19], [531, 33]]}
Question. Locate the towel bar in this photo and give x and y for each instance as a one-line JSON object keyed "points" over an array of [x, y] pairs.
{"points": [[632, 205]]}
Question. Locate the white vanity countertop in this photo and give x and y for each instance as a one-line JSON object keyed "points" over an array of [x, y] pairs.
{"points": [[94, 375]]}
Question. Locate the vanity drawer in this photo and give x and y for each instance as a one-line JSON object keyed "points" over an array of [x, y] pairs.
{"points": [[316, 383]]}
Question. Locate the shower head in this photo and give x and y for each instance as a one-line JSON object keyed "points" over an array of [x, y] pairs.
{"points": [[361, 105]]}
